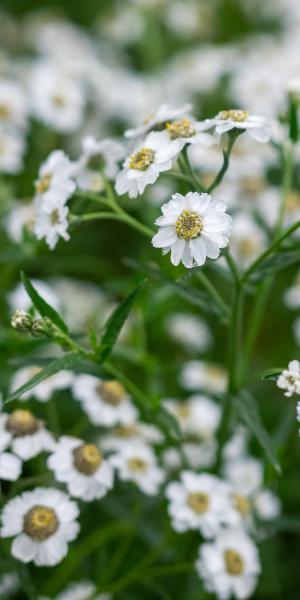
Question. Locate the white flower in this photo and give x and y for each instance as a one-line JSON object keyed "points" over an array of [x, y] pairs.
{"points": [[83, 590], [134, 432], [189, 131], [198, 502], [292, 294], [82, 467], [196, 375], [55, 183], [137, 463], [9, 584], [52, 223], [105, 402], [289, 379], [247, 240], [44, 390], [237, 444], [42, 522], [193, 227], [108, 152], [190, 331], [245, 474], [19, 220], [164, 114], [13, 105], [25, 434], [198, 415], [226, 120], [12, 149], [10, 466], [229, 566], [198, 454], [267, 505], [153, 156]]}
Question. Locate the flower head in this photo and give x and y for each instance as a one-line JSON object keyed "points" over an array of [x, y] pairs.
{"points": [[289, 379], [25, 434], [137, 462], [164, 114], [258, 128]]}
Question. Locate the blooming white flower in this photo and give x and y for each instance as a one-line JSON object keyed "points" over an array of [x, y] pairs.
{"points": [[83, 590], [198, 454], [198, 502], [197, 375], [229, 566], [189, 131], [44, 390], [52, 223], [25, 434], [10, 466], [151, 157], [193, 227], [197, 416], [164, 114], [12, 148], [104, 154], [191, 331], [106, 402], [134, 432], [245, 474], [258, 128], [137, 463], [13, 105], [237, 444], [19, 220], [289, 379], [267, 505], [55, 183], [82, 467], [42, 522]]}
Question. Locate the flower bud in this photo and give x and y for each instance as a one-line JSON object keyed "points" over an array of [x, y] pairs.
{"points": [[22, 321], [42, 327]]}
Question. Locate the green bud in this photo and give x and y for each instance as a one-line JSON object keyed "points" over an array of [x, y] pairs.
{"points": [[22, 321], [42, 327]]}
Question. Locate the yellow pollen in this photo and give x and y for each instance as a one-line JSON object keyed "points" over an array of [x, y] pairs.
{"points": [[87, 459], [215, 372], [58, 100], [234, 114], [40, 522], [234, 562], [252, 185], [148, 119], [142, 159], [189, 225], [4, 111], [183, 128], [198, 501], [43, 184], [22, 422], [183, 411], [242, 504], [138, 465], [248, 247], [125, 431], [111, 392], [292, 202]]}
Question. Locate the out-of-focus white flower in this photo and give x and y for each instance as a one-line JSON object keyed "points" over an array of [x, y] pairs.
{"points": [[52, 223], [189, 330], [19, 300], [193, 227], [55, 184], [135, 432], [137, 463], [292, 294], [289, 379], [151, 157], [82, 467], [267, 505], [12, 148], [198, 415], [44, 390], [20, 218], [245, 474], [10, 466], [236, 446], [25, 434], [80, 302], [247, 239], [229, 566], [197, 375], [83, 590], [198, 454], [198, 502], [164, 114], [42, 522], [97, 156], [258, 128], [9, 584], [13, 105], [269, 207], [105, 402]]}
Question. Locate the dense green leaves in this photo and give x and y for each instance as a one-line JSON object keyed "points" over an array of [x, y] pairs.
{"points": [[41, 305]]}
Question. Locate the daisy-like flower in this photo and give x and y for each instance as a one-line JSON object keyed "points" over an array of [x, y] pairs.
{"points": [[289, 379], [52, 223], [267, 505], [55, 181], [82, 467], [229, 566], [198, 502], [153, 156], [99, 155], [13, 105], [198, 415], [190, 331], [245, 474], [197, 375], [106, 402], [137, 463], [164, 114], [198, 454], [257, 128], [10, 466], [193, 227], [135, 432], [12, 148], [25, 434], [83, 590], [44, 390], [189, 131], [42, 522]]}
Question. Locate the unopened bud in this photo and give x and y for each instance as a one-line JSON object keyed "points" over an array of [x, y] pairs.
{"points": [[22, 321], [42, 327]]}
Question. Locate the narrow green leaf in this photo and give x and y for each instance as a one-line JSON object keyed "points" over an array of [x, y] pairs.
{"points": [[41, 305], [248, 412], [116, 321], [271, 374], [275, 263]]}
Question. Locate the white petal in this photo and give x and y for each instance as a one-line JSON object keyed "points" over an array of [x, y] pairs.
{"points": [[198, 250], [24, 548], [177, 250]]}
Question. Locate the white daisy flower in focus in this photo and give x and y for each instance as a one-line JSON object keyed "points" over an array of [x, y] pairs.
{"points": [[258, 128], [164, 114], [289, 379], [42, 522], [82, 467], [137, 463], [12, 148], [197, 375], [189, 330], [55, 183], [106, 402], [51, 223], [189, 131], [25, 434], [229, 566], [198, 502], [193, 227], [44, 390], [10, 466], [151, 157]]}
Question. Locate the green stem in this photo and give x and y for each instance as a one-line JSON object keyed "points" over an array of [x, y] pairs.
{"points": [[232, 266], [213, 292], [226, 158], [188, 170], [180, 176], [286, 186]]}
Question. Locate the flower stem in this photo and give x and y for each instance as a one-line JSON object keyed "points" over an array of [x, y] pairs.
{"points": [[226, 158], [188, 170], [213, 292]]}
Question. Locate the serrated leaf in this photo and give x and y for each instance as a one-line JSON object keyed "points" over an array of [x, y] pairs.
{"points": [[116, 321], [248, 412], [45, 309], [275, 263]]}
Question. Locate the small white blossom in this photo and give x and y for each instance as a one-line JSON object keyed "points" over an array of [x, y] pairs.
{"points": [[197, 375], [198, 454], [245, 474], [258, 128], [164, 114], [55, 183], [134, 432], [83, 590], [193, 227], [25, 434], [12, 148], [19, 220], [267, 505], [137, 463], [190, 331], [289, 379], [197, 416], [52, 223], [42, 522]]}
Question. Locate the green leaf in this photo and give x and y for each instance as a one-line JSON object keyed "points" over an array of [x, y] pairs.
{"points": [[41, 305], [275, 263], [116, 321], [271, 374], [248, 412]]}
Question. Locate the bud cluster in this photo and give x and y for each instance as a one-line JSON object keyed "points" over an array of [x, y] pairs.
{"points": [[24, 323]]}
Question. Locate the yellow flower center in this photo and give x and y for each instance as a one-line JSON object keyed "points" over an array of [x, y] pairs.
{"points": [[111, 392], [40, 522], [198, 501], [4, 111], [234, 562], [22, 422], [189, 225], [87, 459], [242, 504], [137, 465], [234, 114], [142, 159], [252, 185], [183, 411], [43, 184], [248, 247], [58, 100], [292, 202], [183, 128], [125, 431]]}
